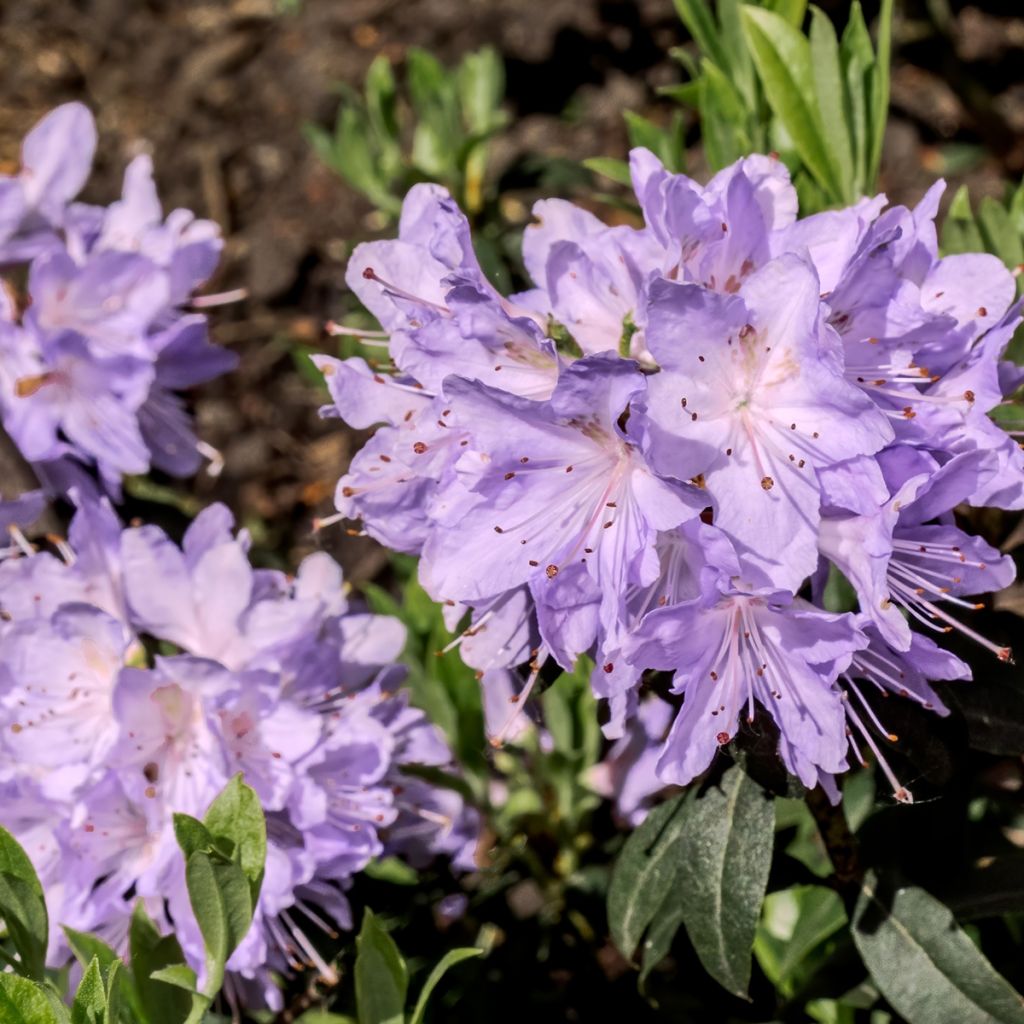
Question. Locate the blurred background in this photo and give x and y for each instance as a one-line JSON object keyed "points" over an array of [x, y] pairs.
{"points": [[226, 95]]}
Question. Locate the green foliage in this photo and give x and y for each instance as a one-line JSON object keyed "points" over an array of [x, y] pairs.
{"points": [[702, 860], [760, 82], [433, 126], [382, 977], [22, 908], [926, 966]]}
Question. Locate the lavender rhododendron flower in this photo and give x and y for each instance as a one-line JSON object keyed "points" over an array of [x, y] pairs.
{"points": [[279, 678], [97, 349], [653, 455]]}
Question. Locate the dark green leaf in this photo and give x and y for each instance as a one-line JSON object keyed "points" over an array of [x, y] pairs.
{"points": [[724, 856], [658, 940], [925, 965], [151, 952], [381, 976], [90, 1005], [782, 56], [858, 60], [448, 961], [87, 948], [23, 906], [221, 900], [192, 835], [644, 874]]}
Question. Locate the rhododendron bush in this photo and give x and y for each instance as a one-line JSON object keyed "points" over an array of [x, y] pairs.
{"points": [[682, 660]]}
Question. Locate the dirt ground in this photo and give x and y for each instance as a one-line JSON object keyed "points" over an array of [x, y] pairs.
{"points": [[219, 92]]}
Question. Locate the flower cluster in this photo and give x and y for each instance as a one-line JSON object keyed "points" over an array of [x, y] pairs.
{"points": [[137, 677], [655, 454], [92, 355]]}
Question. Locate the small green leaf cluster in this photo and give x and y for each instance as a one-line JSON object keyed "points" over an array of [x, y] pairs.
{"points": [[435, 126]]}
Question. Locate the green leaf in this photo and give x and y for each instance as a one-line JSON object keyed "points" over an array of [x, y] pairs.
{"points": [[481, 84], [660, 936], [723, 118], [179, 976], [221, 899], [448, 961], [696, 16], [236, 815], [381, 98], [794, 922], [644, 874], [381, 976], [880, 91], [960, 231], [23, 907], [90, 1005], [87, 948], [926, 966], [616, 170], [724, 857], [150, 952], [999, 234], [830, 89], [782, 56], [324, 1017], [858, 60], [24, 1002], [192, 835]]}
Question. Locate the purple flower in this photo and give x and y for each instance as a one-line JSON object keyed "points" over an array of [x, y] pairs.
{"points": [[541, 487], [751, 398]]}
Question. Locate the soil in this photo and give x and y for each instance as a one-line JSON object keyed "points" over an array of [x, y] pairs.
{"points": [[219, 93]]}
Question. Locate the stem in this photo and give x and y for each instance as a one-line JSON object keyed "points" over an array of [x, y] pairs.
{"points": [[840, 843]]}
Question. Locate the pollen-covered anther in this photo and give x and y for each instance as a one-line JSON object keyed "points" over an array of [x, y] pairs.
{"points": [[609, 667], [969, 395], [419, 447], [746, 331], [509, 475], [767, 483], [722, 738]]}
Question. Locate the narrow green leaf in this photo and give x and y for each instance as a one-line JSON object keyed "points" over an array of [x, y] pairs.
{"points": [[858, 61], [724, 857], [617, 170], [644, 873], [741, 67], [696, 16], [381, 976], [960, 230], [830, 89], [880, 91], [24, 1002], [159, 1003], [723, 118], [382, 98], [90, 1004], [792, 11], [23, 906], [925, 965], [448, 961], [782, 56]]}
